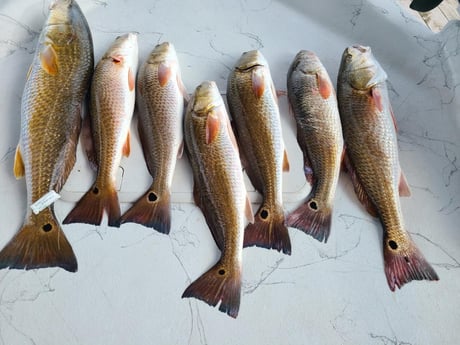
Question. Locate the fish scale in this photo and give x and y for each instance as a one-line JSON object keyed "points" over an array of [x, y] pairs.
{"points": [[372, 160], [50, 123]]}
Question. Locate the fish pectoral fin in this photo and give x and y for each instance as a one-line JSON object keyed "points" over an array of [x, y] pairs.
{"points": [[131, 79], [359, 189], [258, 82], [248, 210], [377, 98], [212, 128], [164, 73], [324, 85], [18, 169], [286, 166], [49, 59], [404, 189], [127, 146]]}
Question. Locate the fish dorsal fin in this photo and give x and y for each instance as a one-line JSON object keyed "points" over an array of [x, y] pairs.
{"points": [[285, 161], [404, 189], [359, 189], [49, 59], [131, 79], [258, 82], [212, 127], [127, 146], [164, 73], [248, 210], [18, 169], [324, 85], [377, 98]]}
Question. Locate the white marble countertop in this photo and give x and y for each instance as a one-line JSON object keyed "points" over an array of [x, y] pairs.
{"points": [[130, 280]]}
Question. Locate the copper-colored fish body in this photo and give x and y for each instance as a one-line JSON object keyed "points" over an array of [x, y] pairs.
{"points": [[160, 101], [319, 134], [372, 159], [254, 108], [220, 193], [50, 124], [112, 105]]}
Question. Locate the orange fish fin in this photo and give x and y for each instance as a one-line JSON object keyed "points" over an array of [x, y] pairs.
{"points": [[131, 79], [268, 231], [18, 168], [164, 73], [127, 146], [91, 207], [212, 128], [403, 266], [151, 210], [324, 85], [38, 244], [286, 166], [404, 189], [307, 169], [248, 210], [219, 284], [280, 93], [359, 189], [49, 59], [377, 98], [313, 218], [258, 82], [87, 142]]}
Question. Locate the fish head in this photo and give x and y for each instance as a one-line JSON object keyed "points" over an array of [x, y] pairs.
{"points": [[307, 62], [124, 51], [249, 60], [63, 21], [361, 68], [206, 98], [163, 52]]}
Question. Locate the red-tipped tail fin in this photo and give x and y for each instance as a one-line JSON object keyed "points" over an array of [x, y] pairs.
{"points": [[151, 210], [40, 243], [268, 231], [218, 285], [312, 219], [91, 206], [403, 266]]}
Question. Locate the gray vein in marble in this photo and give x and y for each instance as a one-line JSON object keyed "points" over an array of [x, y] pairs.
{"points": [[250, 287], [257, 40], [450, 208], [356, 13], [8, 154], [141, 240], [26, 44], [385, 340], [340, 319], [263, 7], [447, 266]]}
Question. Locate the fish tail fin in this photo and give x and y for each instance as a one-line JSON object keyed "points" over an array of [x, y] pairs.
{"points": [[218, 284], [311, 219], [39, 243], [151, 210], [90, 208], [403, 266], [268, 231]]}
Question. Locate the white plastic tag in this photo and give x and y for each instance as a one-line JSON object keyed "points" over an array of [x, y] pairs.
{"points": [[44, 201]]}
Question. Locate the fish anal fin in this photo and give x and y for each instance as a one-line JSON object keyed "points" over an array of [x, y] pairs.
{"points": [[324, 85], [18, 168], [248, 210], [359, 189], [285, 162], [219, 284], [49, 59], [405, 263], [404, 189], [40, 243], [87, 142]]}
